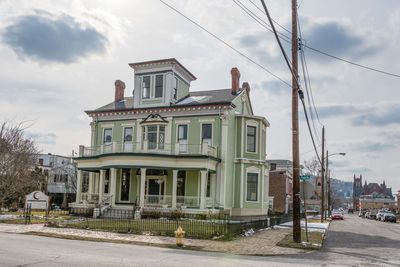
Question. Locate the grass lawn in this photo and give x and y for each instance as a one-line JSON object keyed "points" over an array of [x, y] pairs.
{"points": [[192, 228], [36, 217], [314, 238]]}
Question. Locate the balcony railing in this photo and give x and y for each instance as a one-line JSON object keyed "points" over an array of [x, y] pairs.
{"points": [[149, 148]]}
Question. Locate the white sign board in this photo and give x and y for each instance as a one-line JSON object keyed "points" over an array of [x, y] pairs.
{"points": [[37, 200]]}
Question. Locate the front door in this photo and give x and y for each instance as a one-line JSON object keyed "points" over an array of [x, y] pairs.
{"points": [[125, 184], [153, 191]]}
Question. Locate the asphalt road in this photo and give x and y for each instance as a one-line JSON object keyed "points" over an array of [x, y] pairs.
{"points": [[352, 242]]}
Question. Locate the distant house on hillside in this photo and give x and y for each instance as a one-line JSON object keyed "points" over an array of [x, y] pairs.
{"points": [[370, 191]]}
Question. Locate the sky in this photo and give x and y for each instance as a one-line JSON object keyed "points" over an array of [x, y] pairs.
{"points": [[59, 58]]}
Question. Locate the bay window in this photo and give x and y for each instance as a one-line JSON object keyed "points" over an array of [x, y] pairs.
{"points": [[252, 187], [251, 139], [155, 136]]}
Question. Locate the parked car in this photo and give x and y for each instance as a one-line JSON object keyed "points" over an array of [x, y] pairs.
{"points": [[388, 217], [336, 215], [372, 214], [366, 215], [380, 214]]}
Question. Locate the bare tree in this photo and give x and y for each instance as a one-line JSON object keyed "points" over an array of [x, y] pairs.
{"points": [[18, 175], [312, 166]]}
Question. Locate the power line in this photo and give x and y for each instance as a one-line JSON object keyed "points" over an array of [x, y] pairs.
{"points": [[336, 57], [352, 63], [300, 92], [248, 58], [272, 20], [225, 43]]}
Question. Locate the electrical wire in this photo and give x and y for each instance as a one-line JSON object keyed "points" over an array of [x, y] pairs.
{"points": [[336, 57], [301, 96], [251, 60], [288, 31], [227, 44]]}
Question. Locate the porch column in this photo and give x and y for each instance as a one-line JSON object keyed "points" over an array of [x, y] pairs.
{"points": [[113, 174], [213, 179], [78, 186], [142, 182], [203, 189], [91, 183], [101, 185], [174, 187]]}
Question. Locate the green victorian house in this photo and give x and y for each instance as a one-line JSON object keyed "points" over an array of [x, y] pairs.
{"points": [[168, 148]]}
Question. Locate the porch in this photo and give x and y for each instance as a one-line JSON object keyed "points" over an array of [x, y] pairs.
{"points": [[147, 189]]}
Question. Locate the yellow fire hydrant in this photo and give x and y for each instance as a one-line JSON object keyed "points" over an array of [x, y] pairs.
{"points": [[179, 234]]}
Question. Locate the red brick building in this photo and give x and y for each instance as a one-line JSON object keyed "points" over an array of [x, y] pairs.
{"points": [[281, 185]]}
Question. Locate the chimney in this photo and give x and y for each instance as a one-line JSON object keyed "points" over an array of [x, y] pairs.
{"points": [[246, 85], [273, 167], [235, 80], [119, 90]]}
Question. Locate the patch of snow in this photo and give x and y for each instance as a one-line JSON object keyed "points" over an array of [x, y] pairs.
{"points": [[249, 232], [279, 227]]}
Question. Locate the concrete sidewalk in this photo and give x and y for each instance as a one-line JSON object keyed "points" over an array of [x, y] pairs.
{"points": [[260, 243]]}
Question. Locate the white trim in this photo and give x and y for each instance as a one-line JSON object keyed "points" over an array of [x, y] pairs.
{"points": [[102, 135], [257, 171], [107, 126], [177, 131], [207, 120], [128, 124], [252, 123], [182, 121], [123, 133], [212, 132], [198, 183], [241, 185], [155, 83], [141, 88]]}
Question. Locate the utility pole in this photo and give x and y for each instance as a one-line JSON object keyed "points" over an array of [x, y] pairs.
{"points": [[328, 182], [322, 176], [329, 193], [295, 130]]}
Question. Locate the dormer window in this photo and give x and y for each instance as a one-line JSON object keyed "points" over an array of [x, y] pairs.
{"points": [[159, 86], [146, 87]]}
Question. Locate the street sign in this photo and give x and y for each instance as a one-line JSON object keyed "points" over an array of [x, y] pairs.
{"points": [[305, 177]]}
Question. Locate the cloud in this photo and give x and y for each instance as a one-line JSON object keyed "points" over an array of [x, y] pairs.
{"points": [[389, 115], [339, 39], [371, 146], [43, 138], [273, 87], [339, 164], [49, 38], [356, 170], [379, 114]]}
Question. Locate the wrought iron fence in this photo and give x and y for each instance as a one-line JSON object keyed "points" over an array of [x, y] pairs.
{"points": [[203, 225]]}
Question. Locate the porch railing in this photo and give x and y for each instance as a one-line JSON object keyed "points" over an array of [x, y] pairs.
{"points": [[165, 201], [147, 147], [90, 198]]}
